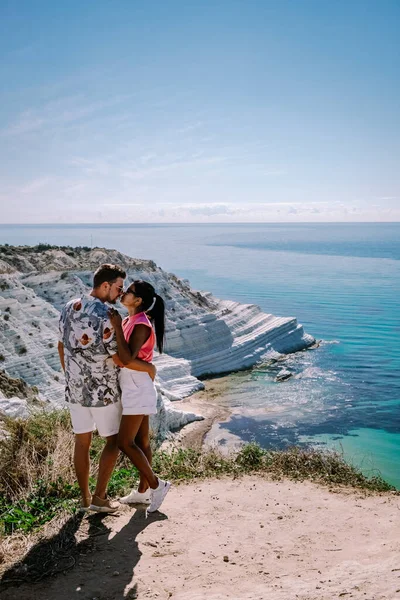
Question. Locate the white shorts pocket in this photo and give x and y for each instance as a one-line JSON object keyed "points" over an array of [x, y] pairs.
{"points": [[138, 393]]}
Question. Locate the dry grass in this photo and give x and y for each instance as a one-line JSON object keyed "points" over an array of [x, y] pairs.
{"points": [[299, 464], [37, 479], [34, 450]]}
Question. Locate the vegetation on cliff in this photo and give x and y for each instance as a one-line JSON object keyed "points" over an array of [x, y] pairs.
{"points": [[14, 386], [37, 477]]}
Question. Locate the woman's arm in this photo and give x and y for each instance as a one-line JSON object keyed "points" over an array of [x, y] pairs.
{"points": [[140, 335], [124, 351], [127, 353]]}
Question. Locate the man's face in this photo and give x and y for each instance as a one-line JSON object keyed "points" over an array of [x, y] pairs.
{"points": [[115, 290]]}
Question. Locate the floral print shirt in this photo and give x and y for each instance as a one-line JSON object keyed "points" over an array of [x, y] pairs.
{"points": [[91, 377]]}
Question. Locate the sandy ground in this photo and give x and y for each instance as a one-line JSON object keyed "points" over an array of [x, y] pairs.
{"points": [[246, 539]]}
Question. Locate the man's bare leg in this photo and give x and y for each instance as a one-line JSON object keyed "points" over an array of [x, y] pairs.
{"points": [[107, 462], [82, 464]]}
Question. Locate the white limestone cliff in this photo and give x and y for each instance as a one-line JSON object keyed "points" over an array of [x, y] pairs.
{"points": [[203, 335]]}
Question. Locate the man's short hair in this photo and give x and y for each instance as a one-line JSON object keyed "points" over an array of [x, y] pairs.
{"points": [[109, 273]]}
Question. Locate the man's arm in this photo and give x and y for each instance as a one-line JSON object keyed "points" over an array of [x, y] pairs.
{"points": [[141, 365], [137, 365], [61, 354], [61, 323]]}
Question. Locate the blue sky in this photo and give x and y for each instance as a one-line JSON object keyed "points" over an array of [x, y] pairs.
{"points": [[205, 111]]}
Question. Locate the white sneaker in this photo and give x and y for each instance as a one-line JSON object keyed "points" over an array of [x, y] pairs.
{"points": [[136, 497], [158, 495]]}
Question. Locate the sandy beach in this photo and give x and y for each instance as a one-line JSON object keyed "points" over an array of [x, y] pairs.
{"points": [[248, 538], [211, 404]]}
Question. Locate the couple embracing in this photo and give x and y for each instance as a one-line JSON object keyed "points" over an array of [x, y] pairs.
{"points": [[109, 382]]}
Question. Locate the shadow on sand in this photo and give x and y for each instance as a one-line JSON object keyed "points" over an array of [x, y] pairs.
{"points": [[84, 560]]}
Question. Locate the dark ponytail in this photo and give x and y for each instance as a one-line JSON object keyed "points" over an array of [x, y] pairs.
{"points": [[154, 302], [157, 314]]}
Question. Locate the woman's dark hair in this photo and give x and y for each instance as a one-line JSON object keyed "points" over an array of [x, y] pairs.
{"points": [[146, 292]]}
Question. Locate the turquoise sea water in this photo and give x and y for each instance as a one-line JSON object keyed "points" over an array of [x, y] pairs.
{"points": [[341, 281]]}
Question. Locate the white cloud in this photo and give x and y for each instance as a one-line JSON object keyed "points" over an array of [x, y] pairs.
{"points": [[119, 204], [36, 185], [116, 211], [190, 127], [209, 209], [58, 113]]}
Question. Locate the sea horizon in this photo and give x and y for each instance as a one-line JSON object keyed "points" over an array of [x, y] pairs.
{"points": [[196, 223]]}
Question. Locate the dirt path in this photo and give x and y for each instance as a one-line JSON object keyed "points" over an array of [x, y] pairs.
{"points": [[245, 539]]}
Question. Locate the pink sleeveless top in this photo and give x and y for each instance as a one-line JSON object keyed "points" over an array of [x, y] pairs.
{"points": [[128, 325]]}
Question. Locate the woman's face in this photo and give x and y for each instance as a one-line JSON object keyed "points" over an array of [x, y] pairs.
{"points": [[129, 298]]}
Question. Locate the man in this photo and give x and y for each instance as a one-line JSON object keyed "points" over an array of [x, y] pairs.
{"points": [[86, 347]]}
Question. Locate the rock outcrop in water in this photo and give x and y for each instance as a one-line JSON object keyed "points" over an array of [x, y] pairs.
{"points": [[204, 335]]}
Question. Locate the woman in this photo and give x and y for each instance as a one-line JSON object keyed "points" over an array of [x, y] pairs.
{"points": [[136, 338]]}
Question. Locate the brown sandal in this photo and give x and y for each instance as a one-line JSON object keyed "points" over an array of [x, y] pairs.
{"points": [[103, 505], [85, 504]]}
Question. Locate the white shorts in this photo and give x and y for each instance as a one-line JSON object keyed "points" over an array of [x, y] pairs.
{"points": [[139, 394], [106, 419]]}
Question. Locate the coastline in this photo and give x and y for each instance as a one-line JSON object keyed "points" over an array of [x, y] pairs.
{"points": [[208, 402], [211, 403], [204, 335]]}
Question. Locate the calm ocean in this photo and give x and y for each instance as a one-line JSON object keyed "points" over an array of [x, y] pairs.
{"points": [[341, 281]]}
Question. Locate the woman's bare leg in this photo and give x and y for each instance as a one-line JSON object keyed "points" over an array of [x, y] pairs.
{"points": [[130, 425], [143, 441]]}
